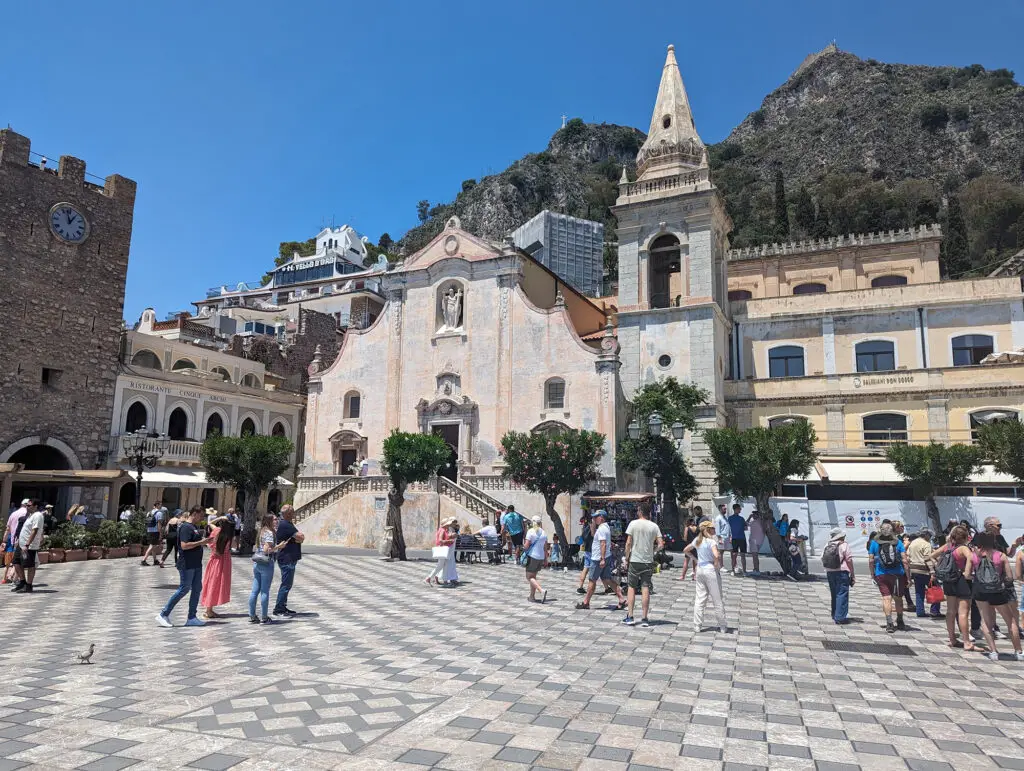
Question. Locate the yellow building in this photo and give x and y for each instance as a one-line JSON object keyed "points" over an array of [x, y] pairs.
{"points": [[860, 336]]}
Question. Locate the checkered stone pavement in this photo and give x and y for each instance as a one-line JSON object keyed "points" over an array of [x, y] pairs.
{"points": [[381, 671]]}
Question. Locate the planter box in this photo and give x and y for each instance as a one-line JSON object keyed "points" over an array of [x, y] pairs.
{"points": [[75, 555], [117, 552], [43, 557], [95, 552], [54, 555], [135, 550]]}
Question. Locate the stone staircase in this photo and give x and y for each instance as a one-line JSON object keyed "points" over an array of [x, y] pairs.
{"points": [[464, 494]]}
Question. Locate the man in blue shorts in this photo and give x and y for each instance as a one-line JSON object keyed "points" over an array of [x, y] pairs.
{"points": [[601, 563], [512, 523]]}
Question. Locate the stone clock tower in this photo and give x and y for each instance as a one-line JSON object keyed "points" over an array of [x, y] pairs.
{"points": [[673, 306], [64, 244]]}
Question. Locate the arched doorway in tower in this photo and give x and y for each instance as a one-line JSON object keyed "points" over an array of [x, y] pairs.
{"points": [[43, 457], [274, 501], [450, 433]]}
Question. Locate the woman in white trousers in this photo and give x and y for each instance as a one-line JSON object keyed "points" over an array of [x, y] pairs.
{"points": [[445, 536], [709, 577]]}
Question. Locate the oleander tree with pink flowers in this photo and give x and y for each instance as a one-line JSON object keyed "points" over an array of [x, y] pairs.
{"points": [[553, 464]]}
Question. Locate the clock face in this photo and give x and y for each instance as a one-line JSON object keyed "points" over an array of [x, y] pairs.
{"points": [[68, 224]]}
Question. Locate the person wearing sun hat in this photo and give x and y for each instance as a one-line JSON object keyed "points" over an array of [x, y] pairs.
{"points": [[444, 537], [837, 559]]}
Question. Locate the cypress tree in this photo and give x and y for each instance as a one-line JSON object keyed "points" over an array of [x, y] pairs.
{"points": [[781, 211], [803, 212], [955, 254]]}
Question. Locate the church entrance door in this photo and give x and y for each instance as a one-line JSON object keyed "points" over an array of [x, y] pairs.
{"points": [[450, 433]]}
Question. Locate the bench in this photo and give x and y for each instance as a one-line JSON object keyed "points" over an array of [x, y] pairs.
{"points": [[471, 547]]}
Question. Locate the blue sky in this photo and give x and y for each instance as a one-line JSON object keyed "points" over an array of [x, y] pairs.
{"points": [[246, 124]]}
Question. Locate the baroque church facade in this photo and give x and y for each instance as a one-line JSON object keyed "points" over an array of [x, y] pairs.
{"points": [[857, 335]]}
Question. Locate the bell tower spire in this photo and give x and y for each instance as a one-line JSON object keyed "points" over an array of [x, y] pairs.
{"points": [[673, 145]]}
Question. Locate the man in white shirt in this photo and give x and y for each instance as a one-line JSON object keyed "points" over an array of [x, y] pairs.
{"points": [[601, 563], [643, 540], [30, 541]]}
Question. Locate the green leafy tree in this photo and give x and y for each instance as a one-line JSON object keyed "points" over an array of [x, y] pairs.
{"points": [[803, 212], [955, 257], [408, 458], [657, 456], [423, 210], [781, 210], [250, 464], [930, 467], [287, 249], [755, 462], [1002, 445], [552, 464], [385, 242]]}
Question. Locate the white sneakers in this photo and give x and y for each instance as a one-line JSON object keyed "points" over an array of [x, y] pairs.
{"points": [[165, 622]]}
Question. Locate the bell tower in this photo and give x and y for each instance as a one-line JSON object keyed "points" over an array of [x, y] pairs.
{"points": [[673, 237]]}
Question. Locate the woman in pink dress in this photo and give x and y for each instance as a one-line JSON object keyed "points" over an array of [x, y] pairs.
{"points": [[217, 576]]}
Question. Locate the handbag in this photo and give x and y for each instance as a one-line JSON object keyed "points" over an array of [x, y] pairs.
{"points": [[934, 595], [440, 552]]}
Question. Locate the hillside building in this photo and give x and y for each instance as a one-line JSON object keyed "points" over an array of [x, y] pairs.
{"points": [[857, 334], [570, 247]]}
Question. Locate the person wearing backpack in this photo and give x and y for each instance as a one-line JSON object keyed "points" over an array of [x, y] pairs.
{"points": [[950, 561], [887, 561], [837, 559], [512, 523], [154, 524], [990, 569]]}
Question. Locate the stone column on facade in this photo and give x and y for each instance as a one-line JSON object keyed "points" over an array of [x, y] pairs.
{"points": [[503, 370], [234, 420], [607, 371], [393, 410], [6, 490], [160, 417], [828, 342], [835, 425], [200, 429], [701, 466], [938, 421]]}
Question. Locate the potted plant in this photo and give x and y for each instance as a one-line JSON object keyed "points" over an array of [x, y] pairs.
{"points": [[94, 545], [113, 536], [55, 545], [43, 555], [136, 534], [76, 542]]}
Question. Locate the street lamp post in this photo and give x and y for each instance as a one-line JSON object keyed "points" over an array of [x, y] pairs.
{"points": [[654, 428], [142, 453]]}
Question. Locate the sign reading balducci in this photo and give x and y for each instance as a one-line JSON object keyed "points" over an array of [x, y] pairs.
{"points": [[883, 381], [176, 392]]}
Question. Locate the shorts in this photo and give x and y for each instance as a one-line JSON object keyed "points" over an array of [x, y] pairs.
{"points": [[726, 545], [639, 575], [961, 589], [534, 565], [740, 545], [153, 539], [516, 539], [586, 561], [994, 598], [28, 558], [597, 573], [755, 545], [891, 585]]}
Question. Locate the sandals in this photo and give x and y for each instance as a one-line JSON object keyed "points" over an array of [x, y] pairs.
{"points": [[955, 644], [621, 606], [582, 606]]}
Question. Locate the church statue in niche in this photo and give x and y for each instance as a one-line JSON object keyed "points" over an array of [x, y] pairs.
{"points": [[451, 309]]}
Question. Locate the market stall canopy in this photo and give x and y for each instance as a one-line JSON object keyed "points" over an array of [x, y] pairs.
{"points": [[868, 472], [75, 477], [183, 477]]}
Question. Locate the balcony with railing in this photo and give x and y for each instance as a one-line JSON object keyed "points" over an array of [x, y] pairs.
{"points": [[178, 450]]}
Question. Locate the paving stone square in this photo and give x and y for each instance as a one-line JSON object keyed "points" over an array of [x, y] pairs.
{"points": [[380, 671]]}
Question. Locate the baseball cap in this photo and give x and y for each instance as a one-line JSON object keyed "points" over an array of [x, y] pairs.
{"points": [[536, 520], [600, 513], [26, 501]]}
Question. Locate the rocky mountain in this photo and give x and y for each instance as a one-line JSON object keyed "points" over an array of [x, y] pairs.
{"points": [[844, 145]]}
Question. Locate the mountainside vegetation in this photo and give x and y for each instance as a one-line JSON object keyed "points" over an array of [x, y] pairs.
{"points": [[845, 145]]}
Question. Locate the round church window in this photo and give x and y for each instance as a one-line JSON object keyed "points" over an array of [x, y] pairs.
{"points": [[664, 361]]}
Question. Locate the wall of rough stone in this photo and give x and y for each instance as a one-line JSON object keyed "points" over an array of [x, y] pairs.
{"points": [[63, 303]]}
